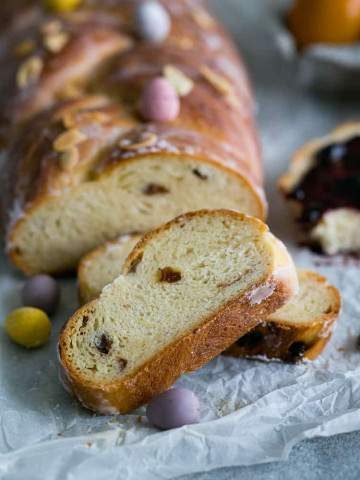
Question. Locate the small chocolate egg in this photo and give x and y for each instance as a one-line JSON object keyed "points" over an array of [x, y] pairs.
{"points": [[159, 101], [152, 21], [28, 327], [174, 408], [43, 292], [62, 5]]}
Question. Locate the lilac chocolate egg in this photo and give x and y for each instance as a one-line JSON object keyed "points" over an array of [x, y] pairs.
{"points": [[152, 21], [43, 292], [159, 101], [174, 408]]}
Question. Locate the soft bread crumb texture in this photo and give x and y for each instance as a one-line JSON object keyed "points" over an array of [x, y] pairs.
{"points": [[101, 266], [338, 231], [55, 234], [314, 300], [218, 258]]}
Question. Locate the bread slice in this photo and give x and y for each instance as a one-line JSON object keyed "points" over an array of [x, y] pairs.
{"points": [[333, 220], [188, 290], [299, 329], [102, 265]]}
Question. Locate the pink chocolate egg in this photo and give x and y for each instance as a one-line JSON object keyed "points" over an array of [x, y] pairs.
{"points": [[159, 101]]}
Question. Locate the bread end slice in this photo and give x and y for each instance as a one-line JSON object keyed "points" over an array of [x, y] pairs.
{"points": [[188, 290], [300, 329]]}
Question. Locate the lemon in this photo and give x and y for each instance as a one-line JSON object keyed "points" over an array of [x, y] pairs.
{"points": [[28, 326], [62, 5]]}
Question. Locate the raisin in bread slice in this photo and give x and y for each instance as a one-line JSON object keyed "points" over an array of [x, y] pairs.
{"points": [[188, 290], [300, 329], [324, 188]]}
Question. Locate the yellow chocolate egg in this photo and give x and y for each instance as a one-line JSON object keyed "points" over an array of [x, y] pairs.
{"points": [[28, 326], [62, 5]]}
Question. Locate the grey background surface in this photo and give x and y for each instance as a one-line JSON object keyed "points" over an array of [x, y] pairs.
{"points": [[286, 110]]}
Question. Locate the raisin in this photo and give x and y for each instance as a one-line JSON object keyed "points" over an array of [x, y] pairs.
{"points": [[199, 174], [250, 340], [122, 364], [103, 343], [297, 351], [154, 189], [169, 275]]}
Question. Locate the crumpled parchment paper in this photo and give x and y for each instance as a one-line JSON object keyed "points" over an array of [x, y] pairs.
{"points": [[252, 411]]}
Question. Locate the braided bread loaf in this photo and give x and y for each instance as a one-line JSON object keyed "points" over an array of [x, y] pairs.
{"points": [[83, 167]]}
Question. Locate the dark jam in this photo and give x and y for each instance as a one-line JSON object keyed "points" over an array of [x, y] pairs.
{"points": [[333, 181]]}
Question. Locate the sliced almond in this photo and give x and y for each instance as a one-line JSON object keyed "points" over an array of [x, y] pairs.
{"points": [[146, 139], [69, 158], [219, 82], [24, 48], [69, 92], [51, 27], [71, 119], [182, 84], [185, 43], [233, 100], [56, 42], [29, 71], [68, 139], [202, 18]]}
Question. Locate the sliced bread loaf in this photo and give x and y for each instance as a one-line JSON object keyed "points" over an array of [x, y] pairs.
{"points": [[299, 329], [98, 165], [187, 291]]}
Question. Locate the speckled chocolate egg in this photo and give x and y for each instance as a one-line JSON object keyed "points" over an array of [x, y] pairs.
{"points": [[43, 292], [28, 327], [174, 408], [152, 21], [159, 101]]}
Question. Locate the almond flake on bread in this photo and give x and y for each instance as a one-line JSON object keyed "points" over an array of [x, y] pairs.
{"points": [[222, 273]]}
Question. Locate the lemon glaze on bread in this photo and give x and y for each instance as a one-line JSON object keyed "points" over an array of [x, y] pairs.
{"points": [[188, 290]]}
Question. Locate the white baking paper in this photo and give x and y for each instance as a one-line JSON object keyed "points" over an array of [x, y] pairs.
{"points": [[252, 411]]}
